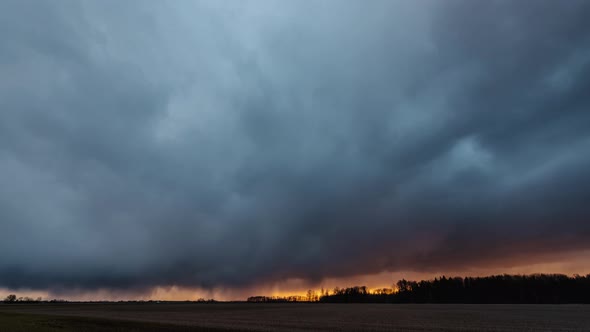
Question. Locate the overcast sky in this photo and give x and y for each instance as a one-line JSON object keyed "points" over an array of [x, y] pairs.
{"points": [[231, 143]]}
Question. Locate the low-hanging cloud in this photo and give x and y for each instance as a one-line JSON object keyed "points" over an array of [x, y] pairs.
{"points": [[213, 143]]}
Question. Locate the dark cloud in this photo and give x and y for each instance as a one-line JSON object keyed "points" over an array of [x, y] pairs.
{"points": [[212, 144]]}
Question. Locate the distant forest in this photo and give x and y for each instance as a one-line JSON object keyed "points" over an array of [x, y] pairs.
{"points": [[536, 288]]}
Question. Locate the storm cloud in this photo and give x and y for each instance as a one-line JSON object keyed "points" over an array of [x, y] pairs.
{"points": [[230, 143]]}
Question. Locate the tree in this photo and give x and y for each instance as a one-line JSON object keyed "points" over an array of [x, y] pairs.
{"points": [[10, 298], [310, 296]]}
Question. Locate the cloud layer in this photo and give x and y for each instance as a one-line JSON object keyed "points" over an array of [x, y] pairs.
{"points": [[213, 143]]}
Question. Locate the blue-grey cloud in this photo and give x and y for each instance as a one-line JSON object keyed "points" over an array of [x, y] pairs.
{"points": [[218, 143]]}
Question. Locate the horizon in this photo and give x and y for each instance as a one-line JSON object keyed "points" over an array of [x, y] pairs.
{"points": [[218, 149], [301, 294]]}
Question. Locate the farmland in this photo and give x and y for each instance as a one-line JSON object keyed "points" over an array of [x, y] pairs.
{"points": [[291, 317]]}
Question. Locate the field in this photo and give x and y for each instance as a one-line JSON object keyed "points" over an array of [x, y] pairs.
{"points": [[291, 317]]}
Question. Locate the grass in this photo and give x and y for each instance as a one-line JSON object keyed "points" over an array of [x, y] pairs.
{"points": [[16, 322]]}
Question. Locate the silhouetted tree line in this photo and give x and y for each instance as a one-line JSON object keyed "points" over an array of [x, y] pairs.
{"points": [[536, 288], [13, 299], [202, 300], [278, 299], [310, 296], [358, 294]]}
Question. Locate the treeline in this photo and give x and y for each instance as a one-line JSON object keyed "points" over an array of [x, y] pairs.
{"points": [[311, 296], [277, 299], [537, 288], [14, 299]]}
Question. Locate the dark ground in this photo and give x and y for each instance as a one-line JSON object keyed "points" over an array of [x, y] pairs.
{"points": [[292, 317]]}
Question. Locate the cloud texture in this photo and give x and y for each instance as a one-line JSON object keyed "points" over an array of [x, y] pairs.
{"points": [[223, 143]]}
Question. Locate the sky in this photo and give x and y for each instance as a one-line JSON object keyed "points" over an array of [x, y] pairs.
{"points": [[172, 148]]}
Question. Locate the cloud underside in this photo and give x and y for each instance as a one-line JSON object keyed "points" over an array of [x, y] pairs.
{"points": [[228, 144]]}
